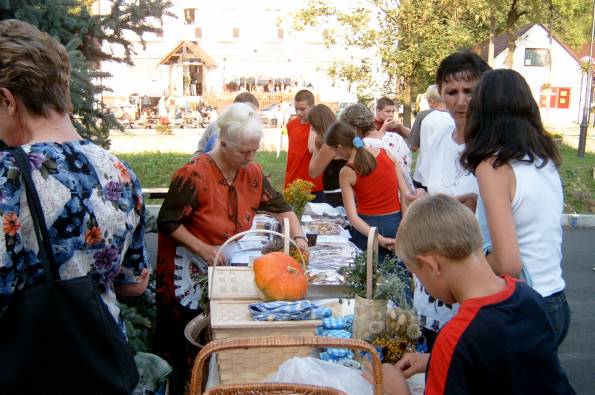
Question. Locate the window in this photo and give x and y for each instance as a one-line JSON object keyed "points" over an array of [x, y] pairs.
{"points": [[236, 32], [536, 57], [558, 97], [189, 16], [198, 32], [280, 34]]}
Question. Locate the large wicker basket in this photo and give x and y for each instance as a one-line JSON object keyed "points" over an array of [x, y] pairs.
{"points": [[268, 345], [231, 290]]}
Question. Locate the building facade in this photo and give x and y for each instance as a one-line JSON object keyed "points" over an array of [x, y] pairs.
{"points": [[551, 69], [230, 45]]}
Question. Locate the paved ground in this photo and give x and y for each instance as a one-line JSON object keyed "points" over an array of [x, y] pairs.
{"points": [[577, 353]]}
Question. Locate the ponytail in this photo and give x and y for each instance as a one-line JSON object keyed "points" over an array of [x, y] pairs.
{"points": [[364, 162], [343, 134]]}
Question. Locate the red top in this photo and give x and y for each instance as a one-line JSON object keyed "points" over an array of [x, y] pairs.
{"points": [[378, 192], [298, 156]]}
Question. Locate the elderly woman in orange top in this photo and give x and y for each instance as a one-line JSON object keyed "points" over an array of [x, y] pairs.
{"points": [[210, 199]]}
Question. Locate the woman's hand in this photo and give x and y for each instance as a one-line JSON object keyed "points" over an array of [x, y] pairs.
{"points": [[302, 244], [135, 289], [386, 242], [412, 363], [209, 253]]}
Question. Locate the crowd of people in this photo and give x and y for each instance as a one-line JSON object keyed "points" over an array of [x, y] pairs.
{"points": [[477, 222]]}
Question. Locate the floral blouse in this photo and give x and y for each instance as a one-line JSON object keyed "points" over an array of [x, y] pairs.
{"points": [[398, 148], [94, 211]]}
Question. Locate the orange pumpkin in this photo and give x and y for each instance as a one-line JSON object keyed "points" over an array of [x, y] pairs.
{"points": [[280, 277]]}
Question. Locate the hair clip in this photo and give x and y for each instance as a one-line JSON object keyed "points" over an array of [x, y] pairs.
{"points": [[358, 142]]}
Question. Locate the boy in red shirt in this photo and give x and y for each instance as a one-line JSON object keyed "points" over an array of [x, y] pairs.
{"points": [[298, 153], [501, 341], [385, 120]]}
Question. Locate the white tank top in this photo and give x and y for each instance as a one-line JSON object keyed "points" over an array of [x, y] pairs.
{"points": [[537, 209]]}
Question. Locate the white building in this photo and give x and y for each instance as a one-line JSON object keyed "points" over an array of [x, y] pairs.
{"points": [[213, 43], [551, 69]]}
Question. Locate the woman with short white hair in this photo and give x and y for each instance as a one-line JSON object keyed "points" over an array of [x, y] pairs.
{"points": [[213, 197]]}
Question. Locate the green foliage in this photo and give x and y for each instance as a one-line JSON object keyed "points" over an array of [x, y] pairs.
{"points": [[411, 37], [390, 281], [577, 180], [139, 317], [154, 169], [84, 35]]}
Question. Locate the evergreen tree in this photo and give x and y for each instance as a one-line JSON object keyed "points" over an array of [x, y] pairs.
{"points": [[85, 36]]}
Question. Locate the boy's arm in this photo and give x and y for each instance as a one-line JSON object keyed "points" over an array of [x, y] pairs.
{"points": [[393, 381]]}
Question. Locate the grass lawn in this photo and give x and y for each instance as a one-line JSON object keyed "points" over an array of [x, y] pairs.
{"points": [[155, 169]]}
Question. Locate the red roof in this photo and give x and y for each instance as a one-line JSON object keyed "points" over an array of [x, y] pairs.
{"points": [[501, 43]]}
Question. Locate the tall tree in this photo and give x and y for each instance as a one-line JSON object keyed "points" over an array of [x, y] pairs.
{"points": [[409, 37], [85, 36]]}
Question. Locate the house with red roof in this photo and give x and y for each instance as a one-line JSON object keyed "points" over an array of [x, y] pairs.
{"points": [[551, 68]]}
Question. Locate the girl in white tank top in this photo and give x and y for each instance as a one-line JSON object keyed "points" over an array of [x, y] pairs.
{"points": [[520, 203]]}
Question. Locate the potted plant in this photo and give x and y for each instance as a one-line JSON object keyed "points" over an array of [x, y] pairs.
{"points": [[393, 330]]}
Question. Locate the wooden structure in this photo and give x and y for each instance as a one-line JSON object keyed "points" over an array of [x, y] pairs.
{"points": [[193, 61]]}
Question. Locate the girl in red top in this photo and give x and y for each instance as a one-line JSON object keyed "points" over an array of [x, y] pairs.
{"points": [[372, 186]]}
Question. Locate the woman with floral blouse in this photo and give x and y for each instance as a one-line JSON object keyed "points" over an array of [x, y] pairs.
{"points": [[213, 197], [91, 201]]}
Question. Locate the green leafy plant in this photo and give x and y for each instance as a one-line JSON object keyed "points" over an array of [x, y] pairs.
{"points": [[139, 314], [390, 280]]}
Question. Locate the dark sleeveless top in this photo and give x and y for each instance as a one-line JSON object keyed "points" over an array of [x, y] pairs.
{"points": [[330, 177]]}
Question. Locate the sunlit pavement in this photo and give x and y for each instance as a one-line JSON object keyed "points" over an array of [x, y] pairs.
{"points": [[577, 353]]}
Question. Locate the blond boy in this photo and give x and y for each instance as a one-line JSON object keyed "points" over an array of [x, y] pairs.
{"points": [[501, 340]]}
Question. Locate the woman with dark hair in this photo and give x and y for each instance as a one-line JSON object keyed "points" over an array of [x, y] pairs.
{"points": [[370, 185], [521, 199], [324, 161]]}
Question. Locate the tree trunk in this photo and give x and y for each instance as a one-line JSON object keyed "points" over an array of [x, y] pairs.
{"points": [[492, 35], [407, 100], [511, 21]]}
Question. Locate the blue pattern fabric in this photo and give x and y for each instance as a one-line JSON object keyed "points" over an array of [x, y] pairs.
{"points": [[339, 327], [338, 322], [288, 311], [94, 211]]}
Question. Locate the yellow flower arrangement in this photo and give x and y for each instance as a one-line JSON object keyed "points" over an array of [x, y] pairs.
{"points": [[297, 194]]}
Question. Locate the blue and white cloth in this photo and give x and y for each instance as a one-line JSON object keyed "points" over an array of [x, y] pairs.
{"points": [[338, 323], [339, 327], [288, 311]]}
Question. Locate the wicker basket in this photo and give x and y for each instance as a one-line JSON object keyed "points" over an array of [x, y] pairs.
{"points": [[268, 345], [231, 290]]}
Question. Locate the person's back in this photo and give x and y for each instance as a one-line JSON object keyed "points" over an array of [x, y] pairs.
{"points": [[377, 192], [434, 124], [94, 212], [498, 344], [501, 341]]}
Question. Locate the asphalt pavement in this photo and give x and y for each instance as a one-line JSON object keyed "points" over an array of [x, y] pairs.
{"points": [[577, 352]]}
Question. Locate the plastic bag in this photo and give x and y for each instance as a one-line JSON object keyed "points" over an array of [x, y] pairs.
{"points": [[316, 372]]}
